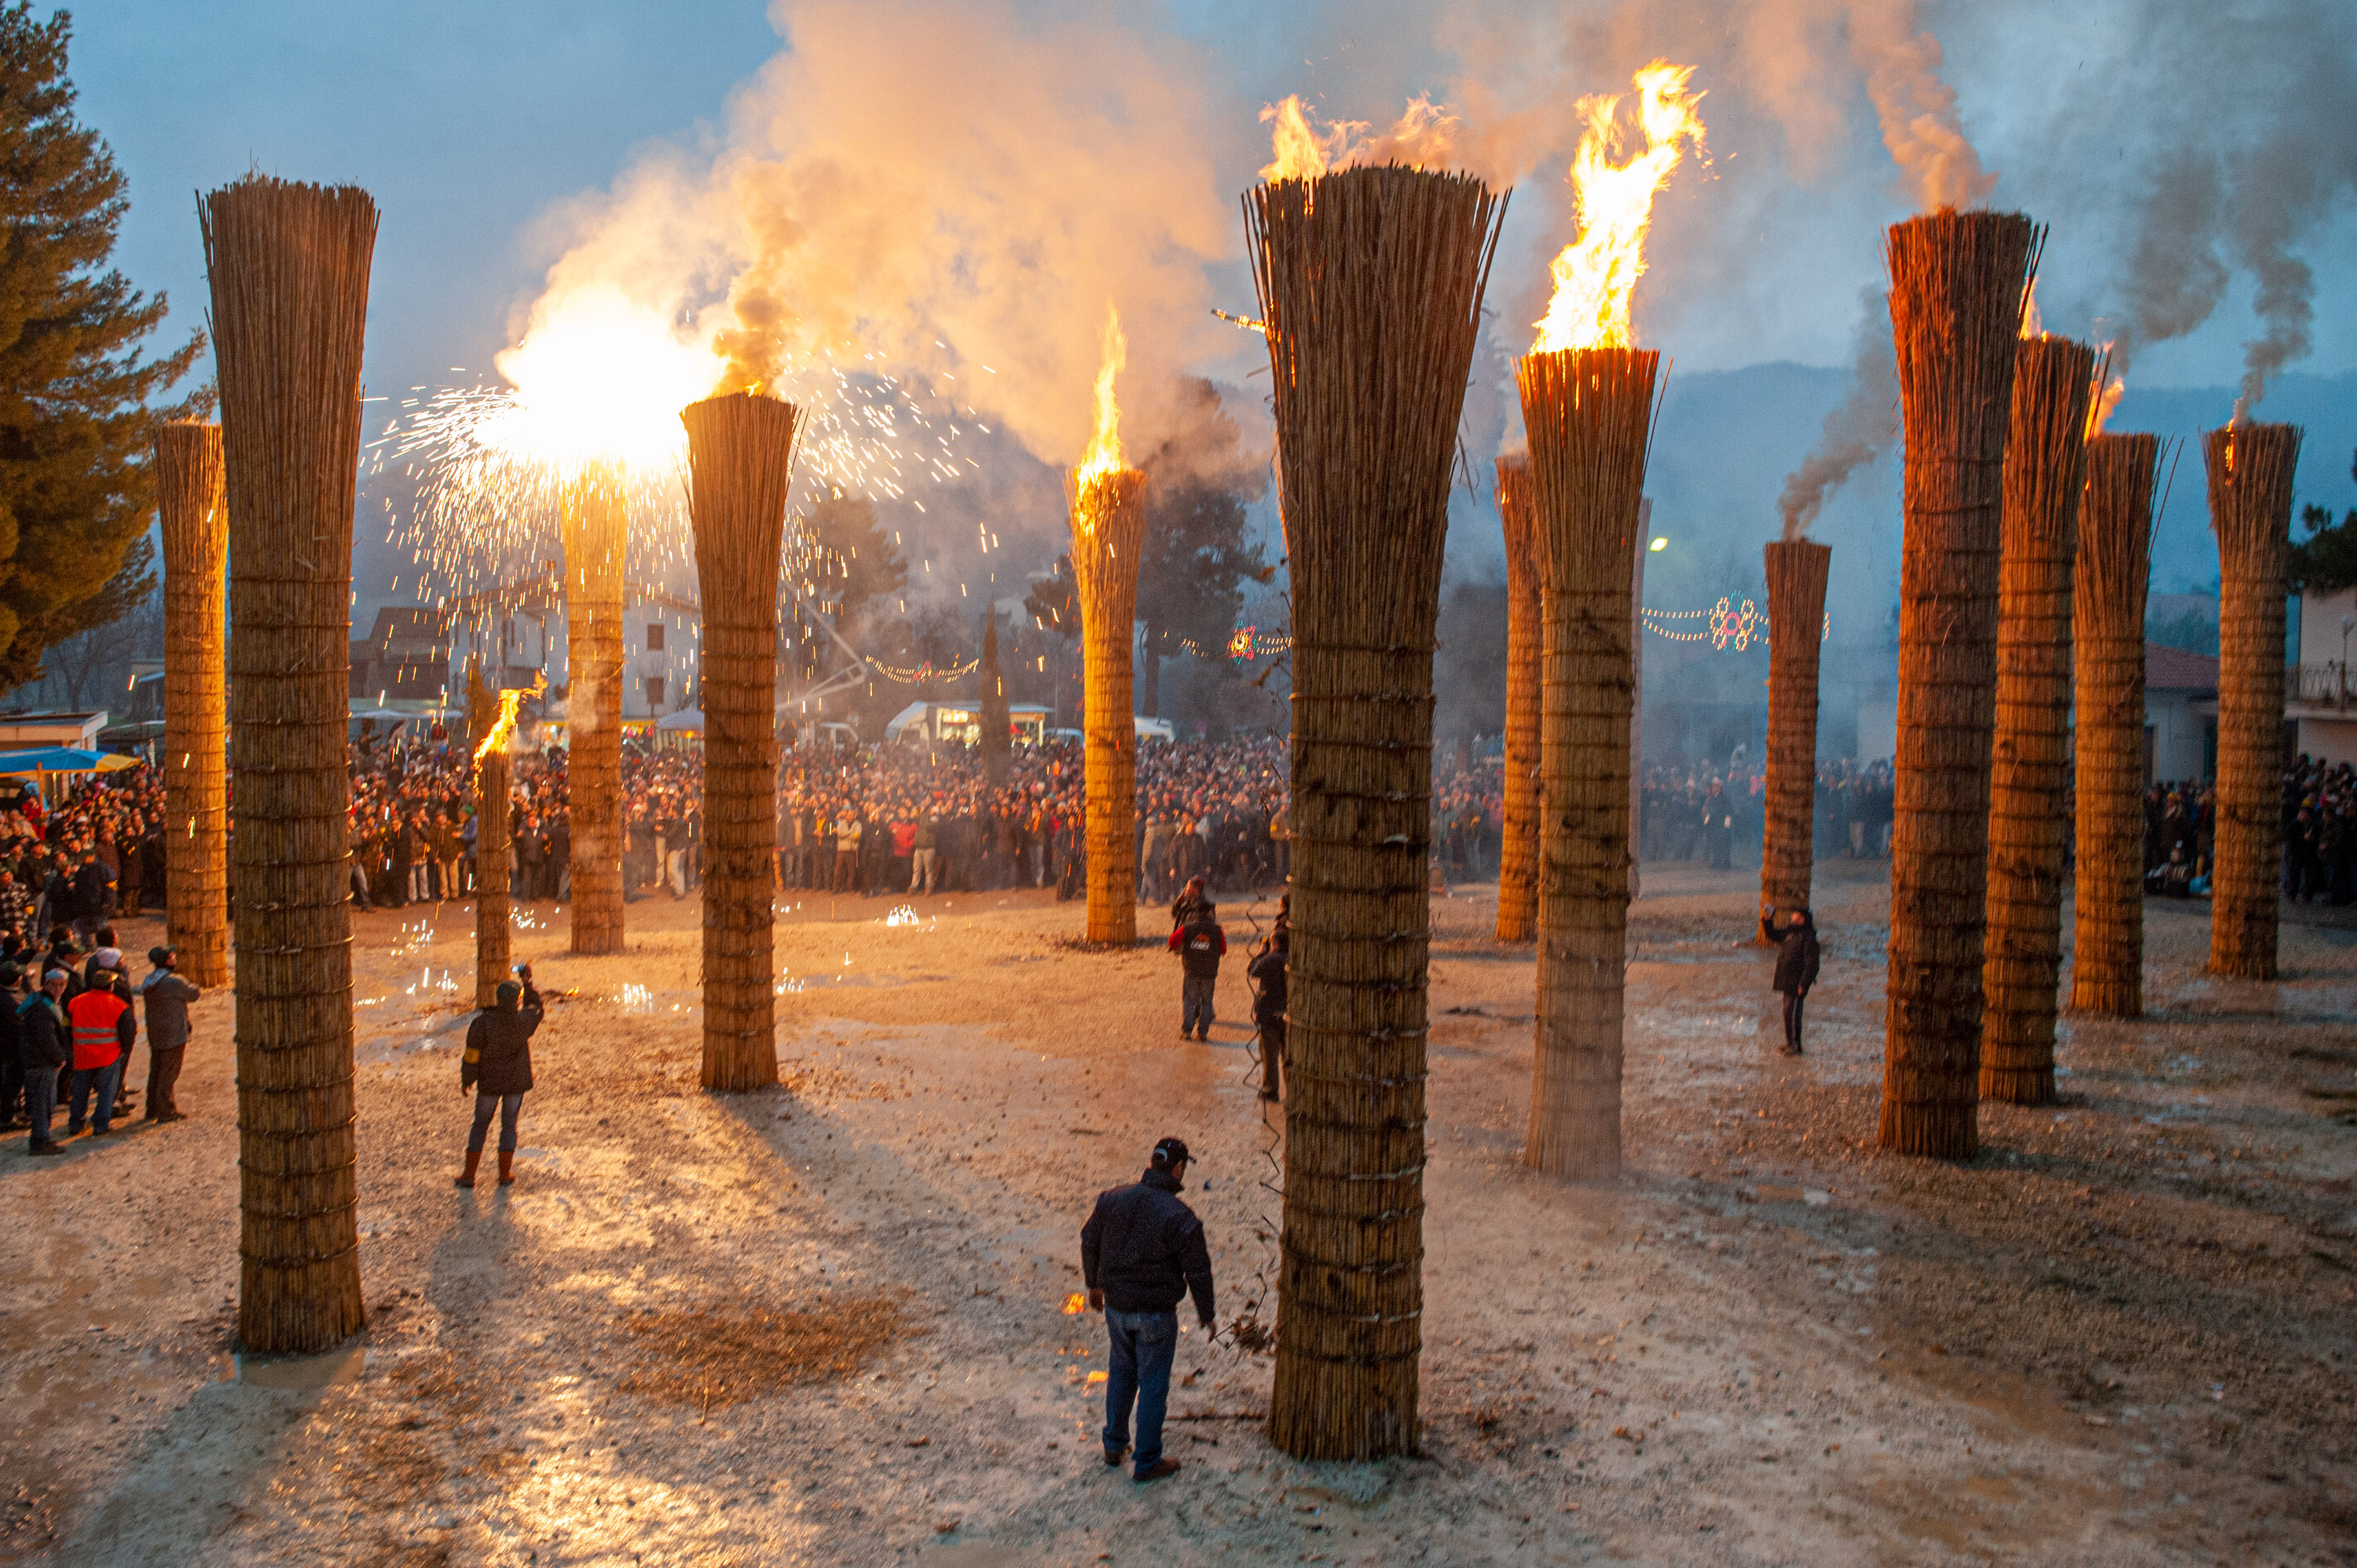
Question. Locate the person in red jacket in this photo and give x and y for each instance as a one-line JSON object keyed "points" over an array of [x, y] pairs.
{"points": [[105, 1026], [1200, 944]]}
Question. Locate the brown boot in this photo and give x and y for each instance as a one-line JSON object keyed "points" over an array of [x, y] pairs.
{"points": [[507, 1167], [474, 1158]]}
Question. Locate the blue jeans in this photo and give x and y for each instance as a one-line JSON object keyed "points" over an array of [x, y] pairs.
{"points": [[508, 1105], [40, 1100], [1143, 1345], [102, 1079], [1195, 1003]]}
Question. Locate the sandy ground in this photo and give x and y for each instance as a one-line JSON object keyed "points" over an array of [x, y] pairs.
{"points": [[2122, 1336]]}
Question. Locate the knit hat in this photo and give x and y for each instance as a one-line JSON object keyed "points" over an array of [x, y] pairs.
{"points": [[109, 958]]}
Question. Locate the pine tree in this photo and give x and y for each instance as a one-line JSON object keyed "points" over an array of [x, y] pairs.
{"points": [[76, 427]]}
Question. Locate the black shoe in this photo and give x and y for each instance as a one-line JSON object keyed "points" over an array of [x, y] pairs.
{"points": [[73, 1129], [1114, 1457], [48, 1149], [1158, 1469]]}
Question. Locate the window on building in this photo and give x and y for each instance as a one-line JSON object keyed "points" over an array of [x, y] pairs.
{"points": [[655, 692], [654, 637]]}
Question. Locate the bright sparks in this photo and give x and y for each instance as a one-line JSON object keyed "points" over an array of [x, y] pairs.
{"points": [[1596, 273], [600, 378], [1104, 456]]}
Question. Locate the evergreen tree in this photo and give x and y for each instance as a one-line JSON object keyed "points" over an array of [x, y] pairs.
{"points": [[994, 738], [1191, 578], [2326, 561], [76, 427]]}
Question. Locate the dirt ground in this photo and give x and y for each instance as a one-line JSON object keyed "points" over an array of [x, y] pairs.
{"points": [[826, 1324]]}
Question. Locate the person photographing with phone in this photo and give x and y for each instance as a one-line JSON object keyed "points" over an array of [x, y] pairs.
{"points": [[498, 1066]]}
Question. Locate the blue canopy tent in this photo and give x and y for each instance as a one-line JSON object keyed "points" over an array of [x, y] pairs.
{"points": [[45, 759]]}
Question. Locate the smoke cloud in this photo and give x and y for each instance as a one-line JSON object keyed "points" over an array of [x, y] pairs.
{"points": [[1857, 432], [947, 197], [1916, 108]]}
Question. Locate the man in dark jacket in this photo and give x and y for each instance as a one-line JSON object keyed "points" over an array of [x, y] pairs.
{"points": [[1200, 944], [168, 995], [1267, 972], [45, 1039], [1796, 968], [1141, 1252], [497, 1067], [12, 1053]]}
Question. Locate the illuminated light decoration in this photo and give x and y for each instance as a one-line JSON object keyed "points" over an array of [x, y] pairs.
{"points": [[922, 673], [1729, 626]]}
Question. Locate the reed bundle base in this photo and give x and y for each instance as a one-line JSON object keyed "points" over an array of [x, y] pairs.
{"points": [[1957, 284], [1371, 284], [289, 268], [1518, 848], [596, 542], [2029, 846], [193, 514], [2107, 608], [2250, 469], [740, 465], [1796, 608], [1108, 536]]}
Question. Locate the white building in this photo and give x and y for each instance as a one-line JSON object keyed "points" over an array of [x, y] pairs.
{"points": [[2317, 695]]}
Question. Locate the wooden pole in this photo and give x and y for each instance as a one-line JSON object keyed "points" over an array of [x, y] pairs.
{"points": [[740, 450], [2251, 467], [1956, 287], [1518, 849], [2107, 608], [1108, 514], [193, 514], [289, 267], [1588, 413], [1796, 612], [1371, 284], [597, 520], [2030, 795]]}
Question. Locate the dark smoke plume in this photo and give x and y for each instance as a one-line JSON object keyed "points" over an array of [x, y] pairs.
{"points": [[1857, 432]]}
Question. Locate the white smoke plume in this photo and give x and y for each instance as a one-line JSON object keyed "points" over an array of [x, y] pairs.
{"points": [[1916, 108], [948, 195], [1857, 431]]}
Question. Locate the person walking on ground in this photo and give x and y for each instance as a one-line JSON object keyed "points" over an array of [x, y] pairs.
{"points": [[12, 1048], [1142, 1252], [168, 995], [1797, 967], [46, 1037], [104, 1029], [497, 1067], [1267, 972], [1200, 944]]}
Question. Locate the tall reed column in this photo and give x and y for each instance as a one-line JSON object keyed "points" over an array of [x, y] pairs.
{"points": [[490, 722], [1588, 413], [1796, 613], [597, 539], [1518, 848], [2251, 467], [1108, 533], [289, 267], [2107, 606], [740, 451], [1956, 282], [193, 517], [1371, 283], [2030, 795]]}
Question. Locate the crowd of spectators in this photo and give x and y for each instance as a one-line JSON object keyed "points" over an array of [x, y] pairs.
{"points": [[2320, 833]]}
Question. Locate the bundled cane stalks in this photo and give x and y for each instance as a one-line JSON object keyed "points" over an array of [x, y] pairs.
{"points": [[1590, 414], [1518, 851], [193, 517], [289, 267], [740, 452], [1956, 287], [1371, 284], [2107, 607], [2251, 467], [2030, 844], [1108, 517], [1796, 612], [596, 523], [494, 839]]}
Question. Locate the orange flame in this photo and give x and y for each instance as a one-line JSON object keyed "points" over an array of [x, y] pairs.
{"points": [[2100, 406], [1595, 274], [503, 731], [1425, 135], [1104, 456], [2033, 324]]}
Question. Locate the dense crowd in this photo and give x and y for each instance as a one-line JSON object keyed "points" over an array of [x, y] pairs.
{"points": [[2321, 832]]}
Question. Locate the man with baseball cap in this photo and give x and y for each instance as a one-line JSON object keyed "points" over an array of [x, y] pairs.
{"points": [[1142, 1252]]}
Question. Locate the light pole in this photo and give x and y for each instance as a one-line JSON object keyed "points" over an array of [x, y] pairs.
{"points": [[2347, 623]]}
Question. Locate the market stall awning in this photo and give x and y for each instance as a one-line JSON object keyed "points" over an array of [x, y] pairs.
{"points": [[685, 719], [61, 759]]}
